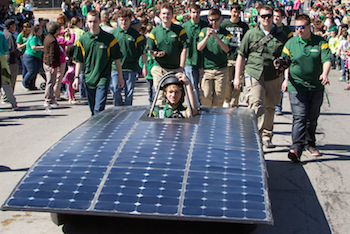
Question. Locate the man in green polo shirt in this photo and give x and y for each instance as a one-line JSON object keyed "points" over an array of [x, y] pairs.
{"points": [[237, 28], [213, 41], [96, 49], [132, 46], [168, 44], [194, 59], [305, 79], [261, 46]]}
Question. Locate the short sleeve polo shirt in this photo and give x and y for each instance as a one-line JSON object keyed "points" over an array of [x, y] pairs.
{"points": [[132, 46], [172, 41], [307, 59], [194, 57], [97, 52], [34, 41], [214, 56]]}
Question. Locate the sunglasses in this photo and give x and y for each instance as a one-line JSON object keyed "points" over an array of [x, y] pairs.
{"points": [[301, 27], [215, 19], [269, 16]]}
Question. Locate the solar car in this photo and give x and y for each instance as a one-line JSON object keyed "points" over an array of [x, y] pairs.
{"points": [[123, 163]]}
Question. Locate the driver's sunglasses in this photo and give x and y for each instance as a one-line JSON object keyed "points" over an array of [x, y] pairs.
{"points": [[269, 16]]}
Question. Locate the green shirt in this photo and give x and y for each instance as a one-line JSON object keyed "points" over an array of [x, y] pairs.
{"points": [[33, 41], [214, 56], [307, 59], [194, 57], [78, 32], [179, 112], [97, 52], [260, 61], [237, 31], [21, 39], [171, 41], [132, 46]]}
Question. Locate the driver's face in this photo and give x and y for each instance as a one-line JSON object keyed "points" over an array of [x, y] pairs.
{"points": [[173, 94]]}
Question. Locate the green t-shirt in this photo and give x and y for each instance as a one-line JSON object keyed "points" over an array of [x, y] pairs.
{"points": [[78, 32], [21, 39], [132, 46], [166, 112], [307, 59], [33, 41], [237, 31], [260, 61], [97, 52], [214, 56], [194, 57], [171, 41]]}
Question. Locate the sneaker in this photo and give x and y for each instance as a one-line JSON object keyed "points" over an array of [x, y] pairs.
{"points": [[313, 151], [341, 79], [278, 112], [226, 105], [46, 104], [15, 107], [268, 144], [25, 88], [294, 156], [347, 87], [54, 104], [73, 101]]}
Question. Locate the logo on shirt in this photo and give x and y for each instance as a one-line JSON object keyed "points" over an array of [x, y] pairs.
{"points": [[102, 47], [314, 50], [131, 39]]}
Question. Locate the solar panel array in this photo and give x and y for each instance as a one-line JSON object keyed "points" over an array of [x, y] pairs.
{"points": [[116, 164]]}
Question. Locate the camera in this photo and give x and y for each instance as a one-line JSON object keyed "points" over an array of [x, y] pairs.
{"points": [[282, 62]]}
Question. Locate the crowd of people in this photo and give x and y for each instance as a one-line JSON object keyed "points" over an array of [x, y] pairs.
{"points": [[100, 47]]}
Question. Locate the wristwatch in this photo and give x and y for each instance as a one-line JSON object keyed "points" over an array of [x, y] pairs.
{"points": [[76, 77]]}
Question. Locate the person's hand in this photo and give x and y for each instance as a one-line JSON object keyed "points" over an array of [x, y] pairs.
{"points": [[237, 84], [181, 69], [75, 84], [211, 31], [121, 82], [183, 78], [53, 70], [158, 54], [324, 79], [284, 85]]}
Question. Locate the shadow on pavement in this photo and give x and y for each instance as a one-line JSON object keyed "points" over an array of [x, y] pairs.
{"points": [[5, 168], [295, 206]]}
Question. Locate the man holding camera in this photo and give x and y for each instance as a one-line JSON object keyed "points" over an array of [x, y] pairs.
{"points": [[305, 80], [213, 41], [261, 46]]}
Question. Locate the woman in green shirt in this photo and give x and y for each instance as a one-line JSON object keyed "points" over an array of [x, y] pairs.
{"points": [[22, 42], [32, 57]]}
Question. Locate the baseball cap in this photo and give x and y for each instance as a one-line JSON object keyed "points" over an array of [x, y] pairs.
{"points": [[9, 22]]}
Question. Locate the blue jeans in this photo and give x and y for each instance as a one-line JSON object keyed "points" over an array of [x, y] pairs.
{"points": [[81, 82], [343, 73], [193, 74], [32, 65], [24, 69], [306, 107], [130, 79], [150, 89], [97, 98]]}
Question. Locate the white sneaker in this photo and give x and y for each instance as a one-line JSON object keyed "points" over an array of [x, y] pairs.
{"points": [[46, 104], [226, 105], [54, 104]]}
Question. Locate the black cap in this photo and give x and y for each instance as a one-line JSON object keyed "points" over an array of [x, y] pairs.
{"points": [[171, 80], [9, 22]]}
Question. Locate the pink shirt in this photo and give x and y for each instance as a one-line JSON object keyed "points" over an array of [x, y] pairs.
{"points": [[63, 43], [296, 5]]}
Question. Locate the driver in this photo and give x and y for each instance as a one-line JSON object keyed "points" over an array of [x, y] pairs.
{"points": [[175, 96]]}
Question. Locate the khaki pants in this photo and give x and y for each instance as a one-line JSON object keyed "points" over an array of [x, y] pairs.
{"points": [[213, 86], [232, 94], [59, 77], [157, 73], [50, 83], [262, 96]]}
